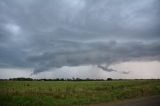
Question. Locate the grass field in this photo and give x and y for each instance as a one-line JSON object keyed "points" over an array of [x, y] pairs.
{"points": [[51, 93]]}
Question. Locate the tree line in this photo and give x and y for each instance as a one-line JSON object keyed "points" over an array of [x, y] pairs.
{"points": [[58, 79], [67, 79]]}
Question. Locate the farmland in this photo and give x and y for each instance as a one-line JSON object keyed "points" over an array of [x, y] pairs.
{"points": [[53, 93]]}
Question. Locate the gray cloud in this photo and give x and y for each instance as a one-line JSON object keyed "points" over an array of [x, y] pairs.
{"points": [[125, 72], [50, 34], [106, 68]]}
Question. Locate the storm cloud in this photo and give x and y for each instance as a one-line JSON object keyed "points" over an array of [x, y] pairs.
{"points": [[50, 34], [105, 68]]}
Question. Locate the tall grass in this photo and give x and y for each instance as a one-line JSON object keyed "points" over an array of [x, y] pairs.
{"points": [[50, 93]]}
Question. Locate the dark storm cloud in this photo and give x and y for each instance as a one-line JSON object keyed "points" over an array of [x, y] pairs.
{"points": [[105, 68], [49, 34], [98, 53]]}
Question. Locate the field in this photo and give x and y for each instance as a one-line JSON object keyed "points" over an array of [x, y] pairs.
{"points": [[53, 93]]}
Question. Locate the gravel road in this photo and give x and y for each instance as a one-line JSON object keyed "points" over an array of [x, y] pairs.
{"points": [[145, 101]]}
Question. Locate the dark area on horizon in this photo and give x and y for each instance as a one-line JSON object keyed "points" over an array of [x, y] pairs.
{"points": [[67, 79]]}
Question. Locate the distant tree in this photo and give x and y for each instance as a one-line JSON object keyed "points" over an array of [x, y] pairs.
{"points": [[109, 79], [21, 79]]}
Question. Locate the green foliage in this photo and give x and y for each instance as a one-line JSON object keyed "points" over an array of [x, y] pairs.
{"points": [[53, 93]]}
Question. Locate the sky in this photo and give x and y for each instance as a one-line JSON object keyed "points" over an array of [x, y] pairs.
{"points": [[80, 38]]}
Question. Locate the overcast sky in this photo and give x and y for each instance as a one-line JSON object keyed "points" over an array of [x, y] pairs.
{"points": [[80, 38]]}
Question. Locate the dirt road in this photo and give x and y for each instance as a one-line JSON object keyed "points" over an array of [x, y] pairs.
{"points": [[146, 101]]}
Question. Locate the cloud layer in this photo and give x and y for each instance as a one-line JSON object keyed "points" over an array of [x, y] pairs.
{"points": [[49, 34]]}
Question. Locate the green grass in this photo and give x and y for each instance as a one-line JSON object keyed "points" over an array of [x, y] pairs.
{"points": [[53, 93]]}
